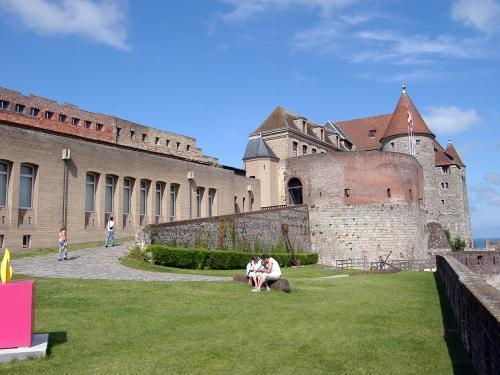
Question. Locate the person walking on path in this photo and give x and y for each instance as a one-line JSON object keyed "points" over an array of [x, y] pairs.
{"points": [[110, 233], [63, 244]]}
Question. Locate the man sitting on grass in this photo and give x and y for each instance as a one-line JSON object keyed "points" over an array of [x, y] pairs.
{"points": [[270, 270], [252, 266]]}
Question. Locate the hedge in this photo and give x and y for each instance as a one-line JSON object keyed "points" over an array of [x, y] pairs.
{"points": [[216, 259]]}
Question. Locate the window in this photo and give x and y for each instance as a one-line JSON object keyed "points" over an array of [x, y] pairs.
{"points": [[174, 189], [444, 185], [157, 140], [410, 194], [90, 189], [304, 150], [34, 111], [49, 115], [109, 194], [127, 195], [371, 133], [26, 186], [188, 147], [177, 145], [389, 194], [295, 191], [199, 199], [26, 241], [144, 137], [294, 148], [211, 198], [313, 150], [347, 193], [19, 108], [392, 145], [118, 131], [99, 127], [62, 118], [322, 134], [87, 124], [243, 205], [4, 104], [417, 141], [132, 134], [236, 208], [1, 241], [442, 202], [4, 173], [167, 143], [446, 169], [75, 121], [159, 198], [143, 198]]}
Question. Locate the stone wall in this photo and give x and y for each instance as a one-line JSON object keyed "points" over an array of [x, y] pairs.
{"points": [[258, 231], [476, 307], [482, 262]]}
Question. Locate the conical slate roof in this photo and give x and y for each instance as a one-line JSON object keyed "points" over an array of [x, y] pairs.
{"points": [[398, 125], [450, 150], [258, 148]]}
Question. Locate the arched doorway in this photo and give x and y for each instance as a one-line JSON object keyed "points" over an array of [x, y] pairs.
{"points": [[295, 191]]}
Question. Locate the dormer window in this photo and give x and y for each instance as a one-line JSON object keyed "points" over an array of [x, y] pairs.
{"points": [[178, 145], [4, 104], [188, 147], [144, 137], [132, 134], [167, 143], [322, 134], [157, 140], [75, 121], [445, 169], [372, 133], [19, 108], [34, 111], [304, 126], [62, 118], [87, 124], [49, 115], [99, 127]]}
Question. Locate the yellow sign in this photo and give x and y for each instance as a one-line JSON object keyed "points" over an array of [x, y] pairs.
{"points": [[5, 268]]}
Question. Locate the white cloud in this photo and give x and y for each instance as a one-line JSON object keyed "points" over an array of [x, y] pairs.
{"points": [[245, 9], [492, 178], [487, 194], [450, 119], [483, 15], [102, 21]]}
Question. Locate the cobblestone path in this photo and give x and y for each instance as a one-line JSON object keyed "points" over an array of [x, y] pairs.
{"points": [[98, 263]]}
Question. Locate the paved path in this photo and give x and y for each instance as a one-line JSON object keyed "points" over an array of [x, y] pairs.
{"points": [[98, 263]]}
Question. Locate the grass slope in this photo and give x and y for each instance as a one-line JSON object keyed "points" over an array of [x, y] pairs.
{"points": [[376, 324]]}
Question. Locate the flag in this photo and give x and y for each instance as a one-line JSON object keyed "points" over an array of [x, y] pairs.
{"points": [[410, 119]]}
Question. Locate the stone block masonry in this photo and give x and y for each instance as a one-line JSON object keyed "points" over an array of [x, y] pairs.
{"points": [[476, 307], [257, 231]]}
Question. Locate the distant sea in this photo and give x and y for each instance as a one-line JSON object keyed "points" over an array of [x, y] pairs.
{"points": [[480, 243]]}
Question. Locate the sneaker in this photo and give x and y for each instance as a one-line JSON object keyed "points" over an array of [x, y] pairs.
{"points": [[256, 290], [59, 259], [65, 258], [268, 289]]}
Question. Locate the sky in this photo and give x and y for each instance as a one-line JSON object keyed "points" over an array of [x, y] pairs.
{"points": [[215, 69]]}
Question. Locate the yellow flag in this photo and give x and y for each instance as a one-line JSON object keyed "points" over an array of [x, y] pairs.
{"points": [[5, 268]]}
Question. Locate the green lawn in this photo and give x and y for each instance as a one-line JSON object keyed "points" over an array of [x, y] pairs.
{"points": [[51, 250], [366, 324]]}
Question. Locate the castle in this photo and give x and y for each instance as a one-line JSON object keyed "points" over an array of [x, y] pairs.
{"points": [[369, 187]]}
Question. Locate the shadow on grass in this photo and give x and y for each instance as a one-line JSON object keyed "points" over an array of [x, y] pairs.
{"points": [[56, 338], [459, 357]]}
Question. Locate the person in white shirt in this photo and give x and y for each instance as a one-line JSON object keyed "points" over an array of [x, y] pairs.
{"points": [[110, 232], [252, 266], [269, 270]]}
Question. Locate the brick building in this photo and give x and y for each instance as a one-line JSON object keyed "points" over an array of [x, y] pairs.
{"points": [[61, 164], [367, 193]]}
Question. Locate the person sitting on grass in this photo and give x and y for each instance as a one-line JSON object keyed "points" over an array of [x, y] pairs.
{"points": [[270, 270], [252, 266]]}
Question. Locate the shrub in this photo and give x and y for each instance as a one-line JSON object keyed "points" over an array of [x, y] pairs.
{"points": [[216, 259]]}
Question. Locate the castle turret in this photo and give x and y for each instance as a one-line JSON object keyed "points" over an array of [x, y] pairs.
{"points": [[396, 139]]}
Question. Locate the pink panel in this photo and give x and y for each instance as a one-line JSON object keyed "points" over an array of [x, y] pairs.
{"points": [[17, 313]]}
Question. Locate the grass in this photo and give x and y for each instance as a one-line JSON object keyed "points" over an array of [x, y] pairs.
{"points": [[55, 249], [368, 324]]}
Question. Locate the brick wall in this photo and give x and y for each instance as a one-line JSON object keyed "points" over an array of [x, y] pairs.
{"points": [[259, 230], [476, 307]]}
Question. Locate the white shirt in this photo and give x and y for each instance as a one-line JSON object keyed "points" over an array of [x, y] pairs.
{"points": [[251, 266], [276, 270], [110, 226]]}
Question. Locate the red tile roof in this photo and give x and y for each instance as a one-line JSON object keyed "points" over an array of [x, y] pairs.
{"points": [[358, 131], [399, 121], [450, 150]]}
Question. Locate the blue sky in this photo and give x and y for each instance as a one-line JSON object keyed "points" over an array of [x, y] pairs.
{"points": [[214, 69]]}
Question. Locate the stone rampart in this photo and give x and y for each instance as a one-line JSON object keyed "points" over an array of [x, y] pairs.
{"points": [[476, 307], [482, 262], [257, 231]]}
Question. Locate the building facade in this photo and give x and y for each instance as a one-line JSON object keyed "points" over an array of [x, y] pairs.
{"points": [[62, 165]]}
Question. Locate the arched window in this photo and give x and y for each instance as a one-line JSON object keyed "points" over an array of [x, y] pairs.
{"points": [[295, 191]]}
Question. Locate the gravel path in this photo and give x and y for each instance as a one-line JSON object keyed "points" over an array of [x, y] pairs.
{"points": [[98, 263]]}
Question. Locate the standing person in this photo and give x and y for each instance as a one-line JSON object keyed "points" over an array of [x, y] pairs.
{"points": [[270, 270], [63, 244], [110, 232]]}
